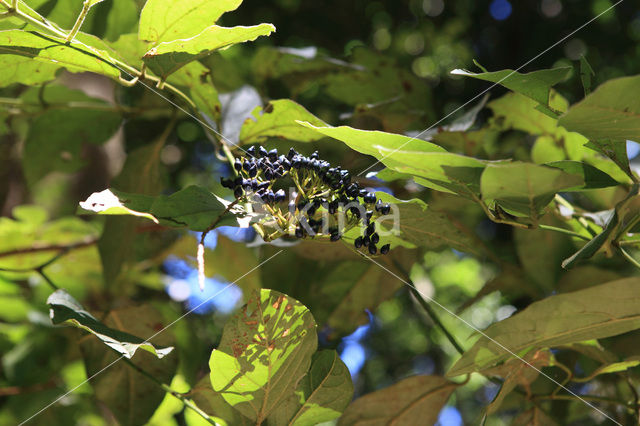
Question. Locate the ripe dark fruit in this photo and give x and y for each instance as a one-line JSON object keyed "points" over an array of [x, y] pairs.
{"points": [[375, 238], [318, 187]]}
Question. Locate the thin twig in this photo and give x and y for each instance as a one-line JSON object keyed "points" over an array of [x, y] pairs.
{"points": [[430, 312], [51, 247]]}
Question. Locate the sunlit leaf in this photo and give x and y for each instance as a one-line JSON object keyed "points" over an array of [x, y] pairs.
{"points": [[278, 120], [65, 309], [265, 350], [322, 395], [167, 20], [167, 57]]}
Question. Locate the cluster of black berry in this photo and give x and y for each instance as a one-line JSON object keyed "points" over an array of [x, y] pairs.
{"points": [[322, 194]]}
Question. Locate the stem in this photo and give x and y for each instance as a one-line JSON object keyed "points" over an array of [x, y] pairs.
{"points": [[54, 247], [83, 14], [47, 279], [430, 312], [186, 401], [563, 231], [121, 66], [493, 218], [629, 257]]}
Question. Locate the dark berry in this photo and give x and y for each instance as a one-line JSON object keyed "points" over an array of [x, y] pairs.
{"points": [[273, 154], [358, 243], [370, 229], [366, 240], [299, 232], [373, 249], [238, 181], [251, 151], [286, 164], [315, 155], [370, 198], [333, 207], [237, 192], [291, 154], [262, 151], [385, 249], [280, 195], [226, 183], [237, 164], [335, 237], [375, 238], [311, 210], [253, 171], [385, 209], [268, 174]]}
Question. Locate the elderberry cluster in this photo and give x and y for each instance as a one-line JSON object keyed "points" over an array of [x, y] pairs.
{"points": [[324, 203]]}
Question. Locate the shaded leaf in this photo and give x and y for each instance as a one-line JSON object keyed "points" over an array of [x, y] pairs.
{"points": [[130, 396], [167, 57], [414, 400], [524, 189], [278, 120], [322, 395], [193, 207], [517, 373], [64, 308], [265, 350], [166, 20], [616, 150], [533, 417], [592, 176], [197, 78], [419, 226], [612, 111], [535, 85], [625, 212], [212, 403], [605, 310], [586, 73]]}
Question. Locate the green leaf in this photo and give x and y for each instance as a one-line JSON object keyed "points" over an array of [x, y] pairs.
{"points": [[616, 150], [624, 214], [368, 141], [612, 111], [592, 176], [321, 396], [131, 397], [517, 373], [24, 70], [605, 310], [414, 400], [167, 57], [586, 72], [265, 350], [419, 226], [442, 171], [65, 309], [46, 151], [278, 120], [75, 57], [524, 189], [193, 207], [167, 20], [535, 85], [197, 79], [212, 403]]}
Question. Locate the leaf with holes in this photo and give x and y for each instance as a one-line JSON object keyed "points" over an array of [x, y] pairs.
{"points": [[265, 350]]}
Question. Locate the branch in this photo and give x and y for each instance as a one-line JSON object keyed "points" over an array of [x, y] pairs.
{"points": [[186, 401], [52, 247], [430, 312]]}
